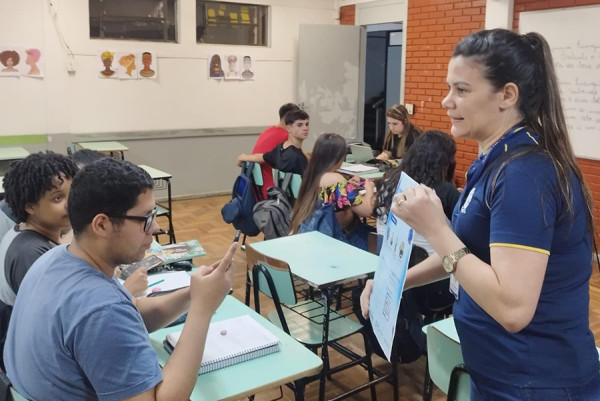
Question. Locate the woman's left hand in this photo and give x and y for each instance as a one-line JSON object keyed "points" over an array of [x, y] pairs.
{"points": [[420, 208]]}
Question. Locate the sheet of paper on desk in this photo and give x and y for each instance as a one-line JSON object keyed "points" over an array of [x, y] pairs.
{"points": [[390, 274], [357, 169], [170, 281]]}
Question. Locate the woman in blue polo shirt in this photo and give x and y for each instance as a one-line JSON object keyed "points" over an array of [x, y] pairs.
{"points": [[520, 248]]}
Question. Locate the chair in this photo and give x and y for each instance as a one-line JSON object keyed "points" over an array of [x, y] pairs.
{"points": [[445, 364], [7, 391], [257, 175], [162, 181], [305, 320], [16, 396], [293, 186]]}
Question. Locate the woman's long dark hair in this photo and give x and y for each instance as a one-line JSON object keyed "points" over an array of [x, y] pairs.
{"points": [[526, 61], [428, 161], [327, 152]]}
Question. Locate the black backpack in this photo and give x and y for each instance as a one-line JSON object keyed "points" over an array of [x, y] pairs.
{"points": [[272, 216], [239, 210]]}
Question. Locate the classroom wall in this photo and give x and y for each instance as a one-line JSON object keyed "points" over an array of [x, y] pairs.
{"points": [[433, 28], [590, 168], [181, 122]]}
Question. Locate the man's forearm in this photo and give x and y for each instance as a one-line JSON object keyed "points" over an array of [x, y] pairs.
{"points": [[158, 312]]}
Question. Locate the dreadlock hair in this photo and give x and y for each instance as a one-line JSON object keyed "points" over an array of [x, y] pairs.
{"points": [[27, 180]]}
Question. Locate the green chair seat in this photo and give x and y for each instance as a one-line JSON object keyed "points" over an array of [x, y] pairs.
{"points": [[443, 356], [307, 327]]}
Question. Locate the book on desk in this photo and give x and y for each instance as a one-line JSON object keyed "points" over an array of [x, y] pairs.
{"points": [[159, 256], [231, 341]]}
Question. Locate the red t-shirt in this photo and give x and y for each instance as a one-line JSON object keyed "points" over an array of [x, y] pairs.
{"points": [[266, 141]]}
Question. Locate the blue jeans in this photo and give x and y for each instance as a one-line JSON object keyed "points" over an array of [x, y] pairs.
{"points": [[487, 391]]}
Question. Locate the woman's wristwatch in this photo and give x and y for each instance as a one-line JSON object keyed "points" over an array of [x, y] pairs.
{"points": [[450, 261]]}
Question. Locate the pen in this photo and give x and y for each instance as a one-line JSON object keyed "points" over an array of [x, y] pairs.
{"points": [[157, 282], [237, 236]]}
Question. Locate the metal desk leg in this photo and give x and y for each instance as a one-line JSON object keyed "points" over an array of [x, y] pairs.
{"points": [[326, 293], [170, 215], [299, 389]]}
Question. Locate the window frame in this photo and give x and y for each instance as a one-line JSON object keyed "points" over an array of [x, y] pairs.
{"points": [[103, 18], [261, 27]]}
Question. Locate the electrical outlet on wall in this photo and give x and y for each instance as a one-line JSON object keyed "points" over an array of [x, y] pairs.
{"points": [[71, 64], [410, 108]]}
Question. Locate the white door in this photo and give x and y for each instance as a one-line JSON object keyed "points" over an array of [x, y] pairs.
{"points": [[331, 79]]}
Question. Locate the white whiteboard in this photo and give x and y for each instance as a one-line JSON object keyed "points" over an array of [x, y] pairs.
{"points": [[574, 36]]}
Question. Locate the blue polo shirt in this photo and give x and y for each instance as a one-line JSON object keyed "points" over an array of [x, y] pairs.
{"points": [[526, 210]]}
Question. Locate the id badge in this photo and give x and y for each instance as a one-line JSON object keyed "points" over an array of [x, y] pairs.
{"points": [[454, 286]]}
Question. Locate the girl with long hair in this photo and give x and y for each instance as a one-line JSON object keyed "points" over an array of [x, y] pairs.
{"points": [[322, 184], [401, 133], [520, 245]]}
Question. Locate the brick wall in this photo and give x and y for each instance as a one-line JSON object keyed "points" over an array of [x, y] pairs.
{"points": [[347, 14], [432, 31]]}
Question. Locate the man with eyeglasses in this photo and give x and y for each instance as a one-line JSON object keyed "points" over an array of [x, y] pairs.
{"points": [[73, 314]]}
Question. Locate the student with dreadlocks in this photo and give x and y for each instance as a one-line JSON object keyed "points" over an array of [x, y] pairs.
{"points": [[37, 189]]}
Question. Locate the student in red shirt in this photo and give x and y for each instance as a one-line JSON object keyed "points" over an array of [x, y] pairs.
{"points": [[267, 140]]}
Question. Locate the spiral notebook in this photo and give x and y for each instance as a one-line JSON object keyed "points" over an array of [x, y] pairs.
{"points": [[232, 341]]}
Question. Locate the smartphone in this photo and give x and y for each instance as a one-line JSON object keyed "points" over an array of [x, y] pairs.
{"points": [[237, 236]]}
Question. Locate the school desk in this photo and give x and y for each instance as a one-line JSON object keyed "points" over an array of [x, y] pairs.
{"points": [[292, 364]]}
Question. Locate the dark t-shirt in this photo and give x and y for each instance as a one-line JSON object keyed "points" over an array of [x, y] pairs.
{"points": [[448, 194], [267, 141], [288, 160], [25, 249], [394, 145]]}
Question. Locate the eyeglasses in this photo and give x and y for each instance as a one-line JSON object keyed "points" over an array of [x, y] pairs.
{"points": [[148, 219]]}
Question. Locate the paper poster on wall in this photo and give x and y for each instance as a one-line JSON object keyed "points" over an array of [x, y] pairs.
{"points": [[128, 64], [11, 60], [233, 66], [34, 60], [215, 67], [148, 68], [248, 68], [105, 64]]}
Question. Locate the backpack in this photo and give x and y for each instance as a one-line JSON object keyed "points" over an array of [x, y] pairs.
{"points": [[272, 216], [323, 220], [239, 210]]}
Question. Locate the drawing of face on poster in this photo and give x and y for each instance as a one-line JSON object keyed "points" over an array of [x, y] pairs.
{"points": [[148, 69], [215, 68], [127, 64], [35, 63], [10, 61], [247, 71], [232, 71], [107, 70]]}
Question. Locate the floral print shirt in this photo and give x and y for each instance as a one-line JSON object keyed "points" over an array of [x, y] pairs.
{"points": [[341, 195]]}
